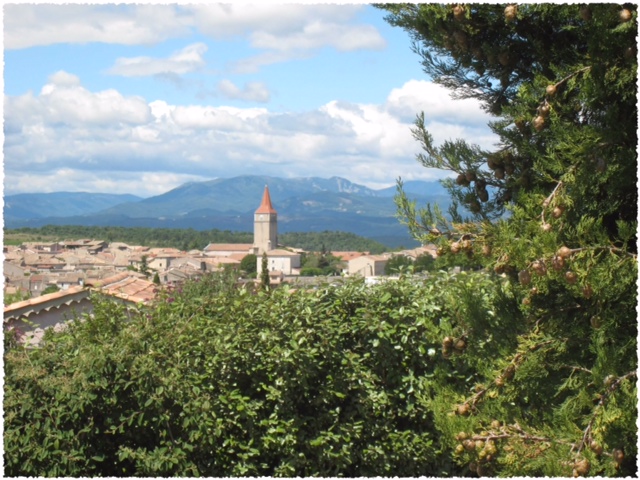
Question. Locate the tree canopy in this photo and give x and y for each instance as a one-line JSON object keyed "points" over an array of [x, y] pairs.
{"points": [[189, 239], [553, 207]]}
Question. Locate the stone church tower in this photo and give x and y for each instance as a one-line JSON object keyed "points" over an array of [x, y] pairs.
{"points": [[265, 226]]}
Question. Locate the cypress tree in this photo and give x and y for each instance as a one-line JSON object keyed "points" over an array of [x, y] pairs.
{"points": [[264, 274], [553, 210]]}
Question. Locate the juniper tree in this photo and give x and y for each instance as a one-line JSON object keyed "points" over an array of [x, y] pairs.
{"points": [[553, 208]]}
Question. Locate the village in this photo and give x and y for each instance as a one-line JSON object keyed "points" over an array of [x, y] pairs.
{"points": [[57, 278]]}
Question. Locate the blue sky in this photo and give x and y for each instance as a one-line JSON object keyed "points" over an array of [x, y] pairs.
{"points": [[140, 98]]}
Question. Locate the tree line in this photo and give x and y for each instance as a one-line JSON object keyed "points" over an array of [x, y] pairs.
{"points": [[190, 239]]}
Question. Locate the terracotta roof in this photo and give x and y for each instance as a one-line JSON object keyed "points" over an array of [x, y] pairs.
{"points": [[102, 282], [279, 252], [229, 247], [42, 302], [165, 252], [346, 256], [127, 286], [415, 252], [375, 258], [266, 206], [43, 260], [42, 277]]}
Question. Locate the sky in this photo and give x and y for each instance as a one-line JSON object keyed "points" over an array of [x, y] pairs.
{"points": [[142, 98]]}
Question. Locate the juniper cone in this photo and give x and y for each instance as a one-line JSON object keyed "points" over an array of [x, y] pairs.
{"points": [[561, 84]]}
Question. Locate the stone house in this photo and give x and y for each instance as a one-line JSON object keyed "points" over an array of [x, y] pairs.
{"points": [[32, 317], [368, 265], [48, 247], [38, 283], [15, 276], [68, 280], [91, 246], [43, 263], [280, 260], [345, 257], [419, 251]]}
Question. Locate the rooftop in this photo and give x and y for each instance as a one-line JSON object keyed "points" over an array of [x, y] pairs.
{"points": [[266, 206], [229, 247]]}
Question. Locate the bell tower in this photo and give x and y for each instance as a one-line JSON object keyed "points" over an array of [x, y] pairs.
{"points": [[265, 225]]}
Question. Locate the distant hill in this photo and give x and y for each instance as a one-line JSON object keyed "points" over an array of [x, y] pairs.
{"points": [[239, 194], [303, 205], [42, 205]]}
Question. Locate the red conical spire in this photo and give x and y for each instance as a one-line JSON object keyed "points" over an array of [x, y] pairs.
{"points": [[265, 206]]}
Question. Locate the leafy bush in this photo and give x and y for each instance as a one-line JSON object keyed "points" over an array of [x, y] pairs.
{"points": [[353, 380], [218, 381]]}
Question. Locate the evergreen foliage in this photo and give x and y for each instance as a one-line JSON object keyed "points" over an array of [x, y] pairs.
{"points": [[50, 289], [265, 281], [397, 264], [19, 296], [249, 265], [320, 263], [403, 264], [553, 208]]}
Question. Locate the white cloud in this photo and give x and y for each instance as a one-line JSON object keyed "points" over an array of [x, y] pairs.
{"points": [[436, 103], [188, 59], [254, 63], [252, 91], [196, 117], [318, 34], [279, 32], [68, 132], [28, 25], [230, 20], [65, 101], [64, 79]]}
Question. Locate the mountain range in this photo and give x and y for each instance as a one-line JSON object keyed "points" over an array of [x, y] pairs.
{"points": [[303, 205]]}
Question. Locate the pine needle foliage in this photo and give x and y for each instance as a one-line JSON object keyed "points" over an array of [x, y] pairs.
{"points": [[553, 210]]}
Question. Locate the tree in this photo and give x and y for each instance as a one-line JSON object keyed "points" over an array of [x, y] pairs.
{"points": [[264, 273], [424, 263], [18, 296], [397, 263], [51, 289], [320, 263], [144, 266], [249, 265], [553, 208]]}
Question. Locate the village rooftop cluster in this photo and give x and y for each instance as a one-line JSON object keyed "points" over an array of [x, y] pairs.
{"points": [[127, 273]]}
